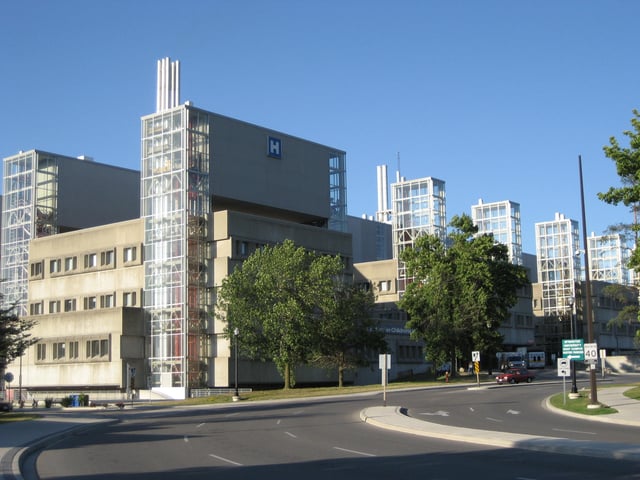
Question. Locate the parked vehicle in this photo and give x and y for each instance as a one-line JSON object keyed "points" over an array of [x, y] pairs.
{"points": [[515, 375], [6, 406], [442, 369], [511, 360], [536, 360]]}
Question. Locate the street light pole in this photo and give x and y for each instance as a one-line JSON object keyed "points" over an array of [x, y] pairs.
{"points": [[236, 395], [574, 385], [589, 310]]}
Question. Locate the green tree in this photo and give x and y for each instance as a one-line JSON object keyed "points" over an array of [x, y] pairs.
{"points": [[274, 299], [15, 336], [461, 291], [627, 298], [347, 330], [627, 160]]}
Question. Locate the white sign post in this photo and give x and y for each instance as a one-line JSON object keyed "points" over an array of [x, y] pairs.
{"points": [[475, 358], [384, 361], [564, 370], [603, 357]]}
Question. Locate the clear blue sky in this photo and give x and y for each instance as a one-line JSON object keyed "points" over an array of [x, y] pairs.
{"points": [[496, 98]]}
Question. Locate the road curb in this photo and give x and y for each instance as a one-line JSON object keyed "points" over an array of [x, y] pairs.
{"points": [[395, 418]]}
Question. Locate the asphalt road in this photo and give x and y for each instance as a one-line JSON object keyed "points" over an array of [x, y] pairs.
{"points": [[325, 439]]}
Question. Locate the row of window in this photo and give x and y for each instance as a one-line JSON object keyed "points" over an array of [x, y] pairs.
{"points": [[94, 349], [89, 261], [91, 302]]}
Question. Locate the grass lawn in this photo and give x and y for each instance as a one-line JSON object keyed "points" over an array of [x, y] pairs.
{"points": [[581, 404]]}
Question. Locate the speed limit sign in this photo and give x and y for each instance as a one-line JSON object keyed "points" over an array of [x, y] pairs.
{"points": [[590, 352]]}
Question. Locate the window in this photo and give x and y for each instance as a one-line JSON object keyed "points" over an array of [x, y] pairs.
{"points": [[104, 348], [73, 350], [97, 348], [36, 269], [54, 306], [129, 299], [106, 258], [107, 301], [90, 260], [58, 350], [90, 303], [36, 308], [242, 248], [54, 266], [41, 353], [129, 254], [70, 263], [93, 348], [70, 305]]}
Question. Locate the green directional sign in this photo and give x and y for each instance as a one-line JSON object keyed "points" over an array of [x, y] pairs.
{"points": [[573, 349]]}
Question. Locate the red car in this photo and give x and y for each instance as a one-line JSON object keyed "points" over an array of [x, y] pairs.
{"points": [[515, 375]]}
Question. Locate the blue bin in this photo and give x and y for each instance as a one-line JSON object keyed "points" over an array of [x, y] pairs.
{"points": [[75, 400]]}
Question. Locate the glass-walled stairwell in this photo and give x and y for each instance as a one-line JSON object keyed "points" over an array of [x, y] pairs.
{"points": [[30, 189], [175, 205]]}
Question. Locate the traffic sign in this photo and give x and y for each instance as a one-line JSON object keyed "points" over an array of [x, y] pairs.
{"points": [[475, 356], [564, 367], [591, 352], [573, 349]]}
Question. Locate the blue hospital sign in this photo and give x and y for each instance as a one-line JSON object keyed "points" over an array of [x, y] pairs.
{"points": [[274, 147]]}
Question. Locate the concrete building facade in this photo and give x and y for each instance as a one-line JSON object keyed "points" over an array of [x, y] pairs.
{"points": [[46, 194]]}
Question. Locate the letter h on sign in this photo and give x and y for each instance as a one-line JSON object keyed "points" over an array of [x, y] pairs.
{"points": [[274, 147]]}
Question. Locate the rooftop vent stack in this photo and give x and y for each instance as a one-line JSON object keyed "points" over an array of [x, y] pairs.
{"points": [[168, 91]]}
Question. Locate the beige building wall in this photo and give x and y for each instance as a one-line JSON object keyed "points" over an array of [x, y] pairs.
{"points": [[237, 235], [85, 293]]}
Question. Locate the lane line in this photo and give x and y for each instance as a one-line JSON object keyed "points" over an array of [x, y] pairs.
{"points": [[225, 460], [200, 425], [290, 434], [494, 419], [364, 454], [573, 431]]}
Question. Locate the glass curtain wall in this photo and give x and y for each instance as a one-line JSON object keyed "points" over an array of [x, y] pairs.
{"points": [[175, 202], [418, 207], [502, 220], [338, 192], [29, 211], [557, 246]]}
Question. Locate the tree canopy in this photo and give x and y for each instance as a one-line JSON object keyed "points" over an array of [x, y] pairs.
{"points": [[627, 160], [347, 330], [15, 336], [461, 291], [288, 304]]}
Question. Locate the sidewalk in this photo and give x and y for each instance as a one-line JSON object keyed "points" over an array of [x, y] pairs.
{"points": [[17, 438]]}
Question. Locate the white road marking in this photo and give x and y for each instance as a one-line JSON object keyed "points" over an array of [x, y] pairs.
{"points": [[278, 422], [201, 425], [364, 454], [290, 434], [494, 420], [513, 412], [471, 408], [441, 413], [573, 431], [232, 414], [225, 460]]}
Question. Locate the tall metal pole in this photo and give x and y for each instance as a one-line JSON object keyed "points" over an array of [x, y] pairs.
{"points": [[587, 283], [235, 334], [574, 385]]}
